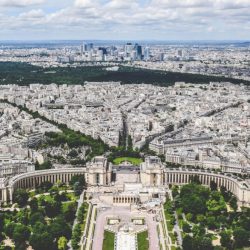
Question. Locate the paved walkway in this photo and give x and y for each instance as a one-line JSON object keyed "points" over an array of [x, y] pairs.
{"points": [[177, 229], [80, 202]]}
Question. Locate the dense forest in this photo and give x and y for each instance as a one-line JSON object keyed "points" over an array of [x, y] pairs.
{"points": [[23, 74]]}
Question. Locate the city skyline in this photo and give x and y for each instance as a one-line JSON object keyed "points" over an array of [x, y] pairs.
{"points": [[115, 19], [124, 124]]}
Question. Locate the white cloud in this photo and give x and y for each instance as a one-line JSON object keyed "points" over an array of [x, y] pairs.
{"points": [[130, 16], [85, 3], [121, 4], [33, 14], [231, 4], [20, 3]]}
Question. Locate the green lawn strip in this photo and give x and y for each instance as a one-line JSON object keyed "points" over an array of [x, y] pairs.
{"points": [[169, 225], [81, 222], [180, 223], [167, 215], [86, 207], [142, 240], [132, 160], [109, 241], [172, 237]]}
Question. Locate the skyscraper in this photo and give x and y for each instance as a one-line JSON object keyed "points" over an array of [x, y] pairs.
{"points": [[81, 49], [128, 49], [146, 53], [89, 46], [138, 50]]}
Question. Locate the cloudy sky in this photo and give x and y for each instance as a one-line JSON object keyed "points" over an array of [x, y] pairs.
{"points": [[125, 19]]}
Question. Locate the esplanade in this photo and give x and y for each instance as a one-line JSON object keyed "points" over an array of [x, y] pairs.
{"points": [[152, 174]]}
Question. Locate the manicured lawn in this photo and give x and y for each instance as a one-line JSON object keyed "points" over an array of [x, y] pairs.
{"points": [[172, 237], [109, 241], [86, 207], [169, 225], [134, 161], [142, 240], [71, 196], [46, 197]]}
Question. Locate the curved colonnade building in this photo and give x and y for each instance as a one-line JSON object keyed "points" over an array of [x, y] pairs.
{"points": [[152, 173], [238, 187], [33, 179]]}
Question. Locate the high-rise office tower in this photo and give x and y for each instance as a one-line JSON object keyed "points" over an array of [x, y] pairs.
{"points": [[138, 50], [146, 53], [90, 46], [128, 49], [81, 49]]}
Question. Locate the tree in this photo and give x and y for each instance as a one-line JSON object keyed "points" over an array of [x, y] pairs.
{"points": [[73, 153], [76, 236], [9, 229], [33, 203], [203, 243], [78, 183], [212, 222], [193, 198], [189, 217], [241, 237], [216, 204], [1, 222], [52, 208], [200, 218], [45, 186], [187, 242], [80, 213], [62, 243], [41, 239], [1, 226], [226, 194], [21, 233], [23, 216], [244, 220], [175, 191], [130, 143], [59, 227], [60, 197], [36, 217], [225, 239], [6, 248], [233, 203], [77, 178], [69, 211], [77, 188], [186, 227], [43, 166], [213, 186], [20, 197], [198, 230]]}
